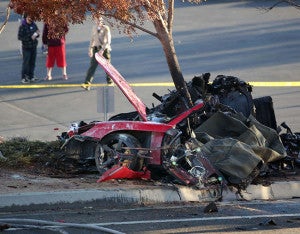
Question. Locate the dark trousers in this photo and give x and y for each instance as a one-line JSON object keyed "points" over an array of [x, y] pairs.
{"points": [[94, 64], [28, 65]]}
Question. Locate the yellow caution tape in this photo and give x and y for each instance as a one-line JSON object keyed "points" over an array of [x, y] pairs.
{"points": [[41, 86], [276, 84]]}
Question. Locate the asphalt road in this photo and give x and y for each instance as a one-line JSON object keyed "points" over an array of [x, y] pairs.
{"points": [[232, 38], [267, 217]]}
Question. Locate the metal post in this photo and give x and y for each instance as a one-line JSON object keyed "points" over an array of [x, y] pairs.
{"points": [[106, 104]]}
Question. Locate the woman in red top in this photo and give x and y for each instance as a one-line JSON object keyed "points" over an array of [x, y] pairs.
{"points": [[56, 53]]}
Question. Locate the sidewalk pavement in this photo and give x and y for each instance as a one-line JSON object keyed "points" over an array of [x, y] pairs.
{"points": [[151, 195]]}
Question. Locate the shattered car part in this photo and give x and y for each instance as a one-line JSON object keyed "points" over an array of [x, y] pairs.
{"points": [[131, 143], [291, 141], [124, 172], [123, 86], [187, 161], [158, 140], [233, 92], [264, 111], [137, 143]]}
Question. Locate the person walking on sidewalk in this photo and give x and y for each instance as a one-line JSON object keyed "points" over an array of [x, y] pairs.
{"points": [[100, 43], [56, 52], [28, 34]]}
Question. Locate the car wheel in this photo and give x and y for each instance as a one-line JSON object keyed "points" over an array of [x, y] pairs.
{"points": [[119, 148]]}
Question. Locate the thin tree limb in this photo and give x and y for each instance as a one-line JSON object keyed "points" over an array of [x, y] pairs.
{"points": [[6, 20], [293, 3], [170, 15], [134, 25]]}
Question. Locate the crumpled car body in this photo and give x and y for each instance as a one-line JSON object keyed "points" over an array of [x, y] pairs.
{"points": [[186, 143], [146, 146]]}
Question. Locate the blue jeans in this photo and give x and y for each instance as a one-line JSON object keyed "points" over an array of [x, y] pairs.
{"points": [[28, 65]]}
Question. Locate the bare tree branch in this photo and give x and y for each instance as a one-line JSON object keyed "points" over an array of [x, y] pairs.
{"points": [[170, 15], [133, 25], [6, 20], [293, 3]]}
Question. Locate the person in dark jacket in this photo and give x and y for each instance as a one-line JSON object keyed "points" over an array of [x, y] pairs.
{"points": [[28, 34], [56, 52]]}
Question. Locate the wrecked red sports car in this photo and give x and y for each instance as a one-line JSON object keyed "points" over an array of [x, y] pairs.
{"points": [[167, 140]]}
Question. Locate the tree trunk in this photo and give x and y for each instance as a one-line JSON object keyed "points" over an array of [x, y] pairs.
{"points": [[172, 60]]}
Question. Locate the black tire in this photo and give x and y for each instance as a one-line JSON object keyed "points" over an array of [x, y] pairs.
{"points": [[264, 111], [105, 157]]}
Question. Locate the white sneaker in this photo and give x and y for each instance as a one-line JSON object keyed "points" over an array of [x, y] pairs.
{"points": [[34, 79], [86, 86], [25, 81]]}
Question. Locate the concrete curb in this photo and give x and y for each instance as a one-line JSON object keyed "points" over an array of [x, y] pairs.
{"points": [[278, 190], [120, 196]]}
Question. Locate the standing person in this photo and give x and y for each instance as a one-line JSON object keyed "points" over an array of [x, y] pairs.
{"points": [[56, 48], [100, 43], [28, 34]]}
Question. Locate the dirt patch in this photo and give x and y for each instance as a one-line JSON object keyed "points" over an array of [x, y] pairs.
{"points": [[20, 181]]}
